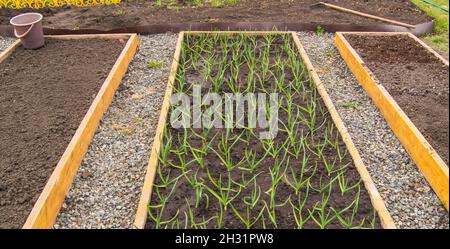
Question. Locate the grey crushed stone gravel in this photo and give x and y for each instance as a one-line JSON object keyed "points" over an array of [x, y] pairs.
{"points": [[106, 189], [409, 199], [5, 42]]}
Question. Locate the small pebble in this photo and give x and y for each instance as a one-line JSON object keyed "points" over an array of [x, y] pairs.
{"points": [[5, 42]]}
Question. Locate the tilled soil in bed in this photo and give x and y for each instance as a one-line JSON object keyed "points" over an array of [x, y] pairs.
{"points": [[417, 80], [138, 12], [44, 95]]}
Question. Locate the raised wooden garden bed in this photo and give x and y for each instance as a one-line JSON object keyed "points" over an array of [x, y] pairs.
{"points": [[408, 82], [308, 176], [51, 103]]}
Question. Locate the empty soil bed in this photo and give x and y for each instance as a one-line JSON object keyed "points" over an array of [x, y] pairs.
{"points": [[416, 79], [137, 13], [44, 95], [234, 178]]}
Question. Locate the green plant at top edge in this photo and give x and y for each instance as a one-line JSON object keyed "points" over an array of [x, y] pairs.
{"points": [[439, 40], [320, 31]]}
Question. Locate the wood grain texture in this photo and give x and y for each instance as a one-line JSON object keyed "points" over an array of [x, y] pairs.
{"points": [[46, 209], [426, 158], [90, 36], [141, 213]]}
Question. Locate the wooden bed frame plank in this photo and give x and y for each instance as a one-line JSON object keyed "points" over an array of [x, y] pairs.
{"points": [[141, 213], [428, 161], [125, 36], [46, 209], [377, 201], [358, 13]]}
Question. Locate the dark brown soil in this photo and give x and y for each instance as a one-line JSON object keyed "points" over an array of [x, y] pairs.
{"points": [[44, 95], [140, 12], [183, 198], [416, 79]]}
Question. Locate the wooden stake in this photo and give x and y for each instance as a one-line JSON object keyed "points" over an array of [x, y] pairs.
{"points": [[354, 12]]}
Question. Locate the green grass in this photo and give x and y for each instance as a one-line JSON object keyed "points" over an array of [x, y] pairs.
{"points": [[439, 40], [152, 64], [320, 31], [350, 105]]}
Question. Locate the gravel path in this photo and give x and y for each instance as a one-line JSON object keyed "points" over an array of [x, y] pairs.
{"points": [[409, 199], [107, 187], [5, 42]]}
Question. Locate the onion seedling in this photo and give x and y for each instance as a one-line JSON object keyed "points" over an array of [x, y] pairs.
{"points": [[329, 166], [297, 146], [220, 216], [291, 129], [200, 153], [350, 220], [298, 182], [343, 183], [194, 224], [219, 79], [276, 174], [252, 162], [299, 209], [247, 220], [199, 186], [271, 211], [163, 200], [271, 148], [223, 194], [323, 184], [166, 147], [253, 199], [225, 151], [323, 217], [166, 181], [183, 164]]}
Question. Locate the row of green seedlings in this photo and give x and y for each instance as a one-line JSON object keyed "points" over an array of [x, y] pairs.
{"points": [[301, 144], [226, 192], [220, 60]]}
